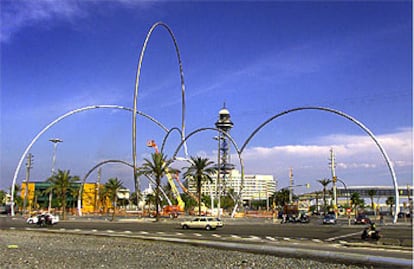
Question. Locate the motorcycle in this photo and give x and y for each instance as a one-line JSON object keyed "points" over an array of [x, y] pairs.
{"points": [[43, 220], [370, 234]]}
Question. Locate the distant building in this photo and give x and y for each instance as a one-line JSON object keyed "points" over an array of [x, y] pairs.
{"points": [[92, 198], [255, 187]]}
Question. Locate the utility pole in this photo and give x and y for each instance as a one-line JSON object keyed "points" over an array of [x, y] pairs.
{"points": [[290, 185], [98, 181], [332, 166], [26, 192], [55, 142]]}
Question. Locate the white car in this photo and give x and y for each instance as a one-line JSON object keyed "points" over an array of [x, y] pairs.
{"points": [[50, 219], [208, 223]]}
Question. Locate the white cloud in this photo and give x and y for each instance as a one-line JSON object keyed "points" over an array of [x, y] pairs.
{"points": [[19, 14], [357, 157]]}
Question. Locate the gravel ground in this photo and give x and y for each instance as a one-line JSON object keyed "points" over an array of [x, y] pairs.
{"points": [[25, 249]]}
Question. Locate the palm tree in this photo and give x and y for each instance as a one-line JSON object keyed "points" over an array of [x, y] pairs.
{"points": [[371, 194], [62, 183], [157, 167], [199, 171], [356, 201], [281, 198], [17, 199], [324, 183], [111, 190], [391, 202]]}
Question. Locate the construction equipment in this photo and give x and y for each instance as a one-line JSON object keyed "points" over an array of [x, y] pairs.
{"points": [[181, 204]]}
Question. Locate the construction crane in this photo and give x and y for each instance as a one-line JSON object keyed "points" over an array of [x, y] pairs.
{"points": [[180, 203]]}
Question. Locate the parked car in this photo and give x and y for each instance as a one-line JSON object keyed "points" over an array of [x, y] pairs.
{"points": [[404, 215], [362, 219], [329, 219], [50, 219], [208, 223]]}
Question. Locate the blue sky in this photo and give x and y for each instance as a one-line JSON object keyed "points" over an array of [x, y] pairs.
{"points": [[260, 58]]}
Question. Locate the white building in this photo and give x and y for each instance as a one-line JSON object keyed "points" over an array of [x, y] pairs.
{"points": [[255, 187]]}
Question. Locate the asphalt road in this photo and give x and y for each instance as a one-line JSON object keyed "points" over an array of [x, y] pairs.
{"points": [[255, 233], [232, 227]]}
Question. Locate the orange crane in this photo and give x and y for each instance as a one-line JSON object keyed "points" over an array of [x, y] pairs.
{"points": [[181, 204], [170, 210]]}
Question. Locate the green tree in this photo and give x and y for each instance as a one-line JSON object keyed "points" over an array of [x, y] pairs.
{"points": [[156, 167], [111, 191], [2, 197], [371, 194], [356, 201], [390, 202], [62, 184], [324, 183], [281, 198], [200, 171]]}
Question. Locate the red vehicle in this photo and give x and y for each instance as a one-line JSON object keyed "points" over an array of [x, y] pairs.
{"points": [[362, 219]]}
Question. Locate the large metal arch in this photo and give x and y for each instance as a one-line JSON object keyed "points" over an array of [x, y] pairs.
{"points": [[79, 204], [167, 135], [58, 119], [358, 123], [238, 154], [137, 79]]}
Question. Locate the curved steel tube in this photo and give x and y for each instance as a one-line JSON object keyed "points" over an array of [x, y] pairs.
{"points": [[238, 154], [362, 126], [16, 172], [166, 136], [100, 164], [134, 124]]}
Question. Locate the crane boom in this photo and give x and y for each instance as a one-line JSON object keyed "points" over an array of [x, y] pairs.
{"points": [[180, 202]]}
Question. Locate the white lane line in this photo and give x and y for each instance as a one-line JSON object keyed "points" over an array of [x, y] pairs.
{"points": [[143, 232], [270, 238], [179, 233], [317, 240], [216, 235], [235, 236], [109, 231], [197, 234], [94, 230], [127, 232], [341, 236], [253, 237]]}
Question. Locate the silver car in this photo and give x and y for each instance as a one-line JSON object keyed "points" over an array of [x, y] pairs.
{"points": [[208, 223]]}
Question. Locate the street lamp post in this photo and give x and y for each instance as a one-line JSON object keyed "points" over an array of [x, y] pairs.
{"points": [[55, 142]]}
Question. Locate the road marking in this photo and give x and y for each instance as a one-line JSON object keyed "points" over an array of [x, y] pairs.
{"points": [[109, 231], [143, 232], [179, 233], [341, 236], [270, 238], [286, 238], [94, 230], [197, 234], [127, 232], [160, 233], [253, 237], [317, 240], [216, 235], [12, 228], [235, 236]]}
